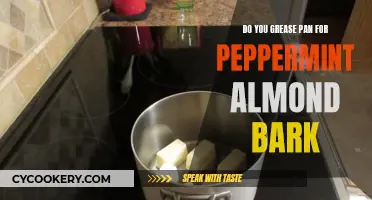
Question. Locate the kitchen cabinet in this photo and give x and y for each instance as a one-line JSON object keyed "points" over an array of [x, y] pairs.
{"points": [[360, 19]]}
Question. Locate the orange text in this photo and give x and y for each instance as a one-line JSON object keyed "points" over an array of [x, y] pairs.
{"points": [[314, 57]]}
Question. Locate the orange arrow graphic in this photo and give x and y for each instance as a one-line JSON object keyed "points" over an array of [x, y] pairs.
{"points": [[157, 176], [169, 178], [164, 178], [149, 178]]}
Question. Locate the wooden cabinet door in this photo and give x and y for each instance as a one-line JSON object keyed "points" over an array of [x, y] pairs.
{"points": [[359, 32]]}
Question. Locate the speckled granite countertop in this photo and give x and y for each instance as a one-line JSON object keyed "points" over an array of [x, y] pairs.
{"points": [[206, 13]]}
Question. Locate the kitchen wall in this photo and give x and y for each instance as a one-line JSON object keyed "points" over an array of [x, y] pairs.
{"points": [[35, 35]]}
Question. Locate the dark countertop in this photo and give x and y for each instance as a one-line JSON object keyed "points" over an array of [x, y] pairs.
{"points": [[83, 116]]}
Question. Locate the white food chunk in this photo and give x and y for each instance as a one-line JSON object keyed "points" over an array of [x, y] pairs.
{"points": [[236, 160], [175, 153], [154, 167], [171, 170], [168, 166], [204, 157], [189, 158]]}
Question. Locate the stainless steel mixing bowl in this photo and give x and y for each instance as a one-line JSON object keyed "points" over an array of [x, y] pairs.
{"points": [[192, 117]]}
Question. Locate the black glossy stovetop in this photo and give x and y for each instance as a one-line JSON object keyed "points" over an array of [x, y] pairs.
{"points": [[109, 79]]}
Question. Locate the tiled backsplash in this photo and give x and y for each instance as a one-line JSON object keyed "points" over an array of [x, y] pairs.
{"points": [[23, 24], [35, 35]]}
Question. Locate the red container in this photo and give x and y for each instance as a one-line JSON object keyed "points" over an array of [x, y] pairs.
{"points": [[129, 7]]}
